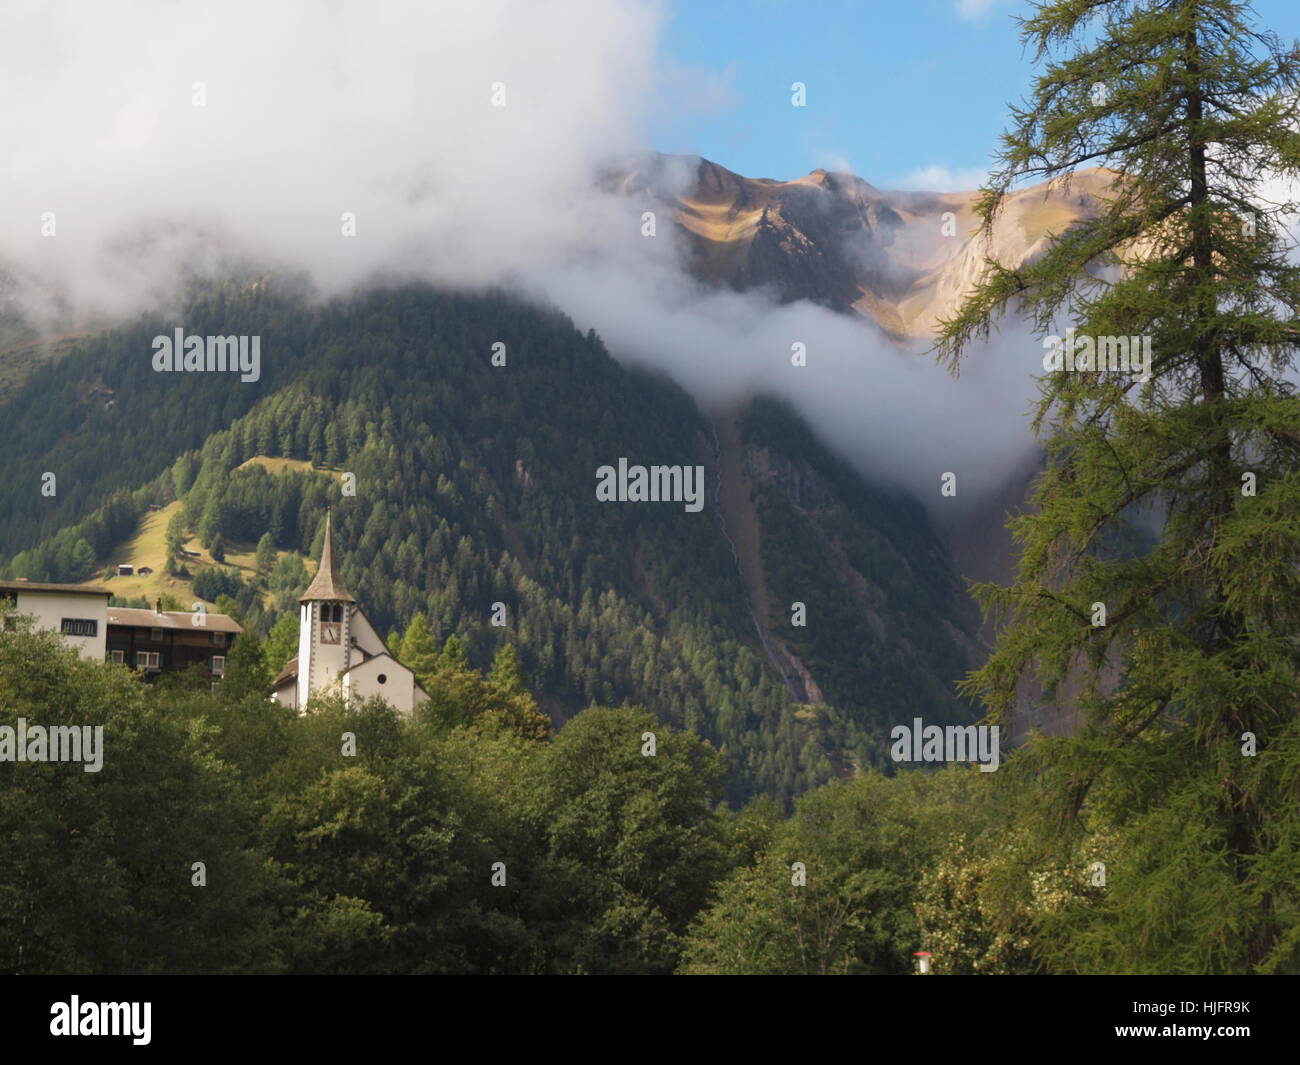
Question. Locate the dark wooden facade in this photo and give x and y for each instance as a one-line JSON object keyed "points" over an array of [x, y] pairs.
{"points": [[135, 637]]}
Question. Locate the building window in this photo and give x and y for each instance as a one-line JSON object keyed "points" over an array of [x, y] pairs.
{"points": [[80, 627], [218, 638], [331, 622], [218, 665], [155, 635], [146, 659], [117, 657]]}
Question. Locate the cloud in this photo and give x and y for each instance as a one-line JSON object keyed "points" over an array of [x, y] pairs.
{"points": [[311, 110], [386, 111], [972, 10], [939, 178], [891, 411], [837, 164]]}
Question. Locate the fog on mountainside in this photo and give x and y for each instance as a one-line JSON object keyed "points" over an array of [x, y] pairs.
{"points": [[256, 166]]}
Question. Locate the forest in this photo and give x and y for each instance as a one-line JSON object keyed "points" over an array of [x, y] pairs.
{"points": [[473, 838], [620, 779], [477, 488]]}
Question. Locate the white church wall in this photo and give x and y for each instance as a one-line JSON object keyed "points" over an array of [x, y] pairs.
{"points": [[397, 685], [364, 633]]}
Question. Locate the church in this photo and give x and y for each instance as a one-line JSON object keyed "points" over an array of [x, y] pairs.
{"points": [[338, 648]]}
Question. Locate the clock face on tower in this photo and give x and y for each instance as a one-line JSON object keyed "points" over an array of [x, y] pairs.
{"points": [[331, 622]]}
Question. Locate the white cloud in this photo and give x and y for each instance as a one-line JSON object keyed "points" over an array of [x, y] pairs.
{"points": [[313, 110], [838, 164], [971, 10], [893, 412], [939, 178]]}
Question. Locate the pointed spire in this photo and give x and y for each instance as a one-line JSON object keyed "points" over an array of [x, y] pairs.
{"points": [[327, 584]]}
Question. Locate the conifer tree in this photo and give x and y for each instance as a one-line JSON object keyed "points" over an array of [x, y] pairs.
{"points": [[507, 673], [453, 658], [175, 541], [246, 672], [264, 560], [282, 641], [1195, 663], [417, 650]]}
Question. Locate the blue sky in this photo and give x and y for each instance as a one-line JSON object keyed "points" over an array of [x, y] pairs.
{"points": [[905, 93]]}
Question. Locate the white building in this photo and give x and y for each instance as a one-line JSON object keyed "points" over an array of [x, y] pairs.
{"points": [[79, 613], [339, 650]]}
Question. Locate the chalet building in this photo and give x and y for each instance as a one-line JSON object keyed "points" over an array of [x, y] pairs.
{"points": [[154, 641], [78, 612], [167, 641], [338, 648]]}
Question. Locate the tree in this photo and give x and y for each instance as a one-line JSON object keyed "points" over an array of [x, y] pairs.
{"points": [[418, 651], [453, 656], [174, 537], [289, 575], [133, 869], [210, 521], [264, 560], [1194, 110], [633, 842], [507, 673], [282, 641], [216, 581], [333, 445], [226, 605], [460, 695], [218, 548], [83, 560], [182, 474], [849, 905], [246, 669]]}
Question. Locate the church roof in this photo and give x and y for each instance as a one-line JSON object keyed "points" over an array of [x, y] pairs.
{"points": [[327, 584], [290, 672]]}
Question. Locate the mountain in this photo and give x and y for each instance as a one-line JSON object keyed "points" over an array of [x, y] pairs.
{"points": [[902, 259], [475, 485], [793, 620]]}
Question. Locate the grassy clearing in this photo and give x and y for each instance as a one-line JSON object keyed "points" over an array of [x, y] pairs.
{"points": [[148, 547]]}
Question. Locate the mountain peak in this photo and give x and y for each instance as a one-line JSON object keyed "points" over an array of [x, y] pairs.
{"points": [[905, 260]]}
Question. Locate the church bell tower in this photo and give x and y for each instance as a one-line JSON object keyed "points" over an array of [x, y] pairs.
{"points": [[325, 624]]}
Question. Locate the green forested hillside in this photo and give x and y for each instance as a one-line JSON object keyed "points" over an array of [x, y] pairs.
{"points": [[887, 623], [475, 485]]}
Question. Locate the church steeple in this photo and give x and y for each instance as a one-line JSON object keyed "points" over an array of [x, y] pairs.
{"points": [[338, 649], [327, 585]]}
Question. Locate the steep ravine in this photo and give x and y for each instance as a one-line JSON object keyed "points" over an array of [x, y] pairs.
{"points": [[739, 523]]}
